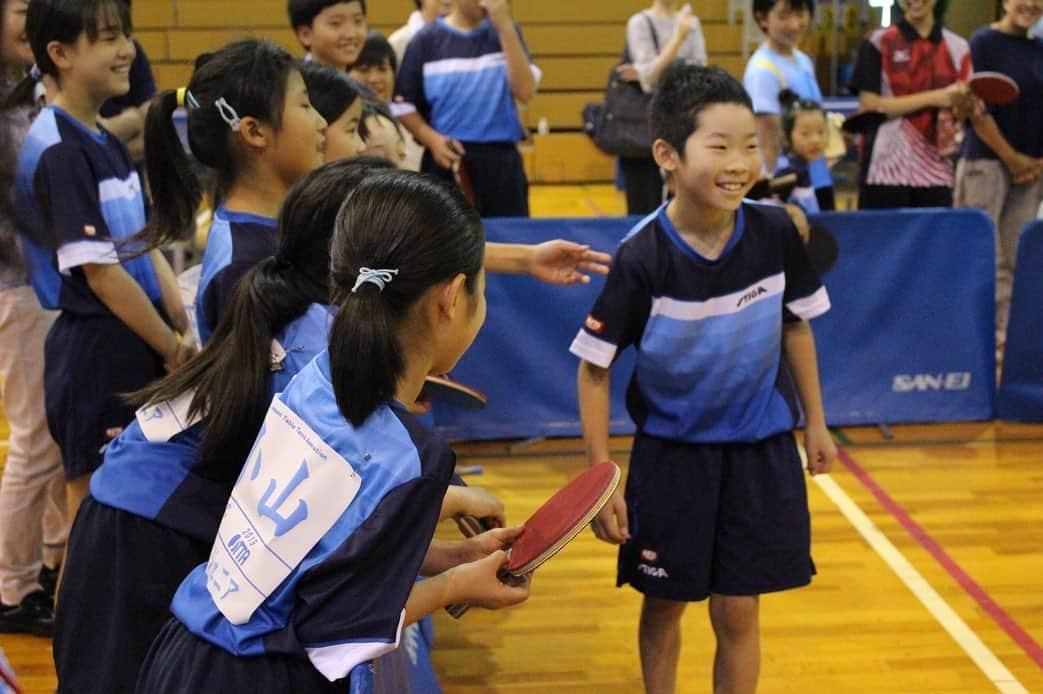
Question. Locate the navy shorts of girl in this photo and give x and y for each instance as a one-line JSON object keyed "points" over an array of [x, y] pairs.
{"points": [[90, 362], [725, 518]]}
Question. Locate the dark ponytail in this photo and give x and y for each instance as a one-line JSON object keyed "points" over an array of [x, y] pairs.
{"points": [[230, 376], [250, 75], [424, 232]]}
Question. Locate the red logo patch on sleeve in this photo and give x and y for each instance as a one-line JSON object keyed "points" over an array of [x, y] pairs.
{"points": [[594, 325]]}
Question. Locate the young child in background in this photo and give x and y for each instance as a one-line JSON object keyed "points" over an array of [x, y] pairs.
{"points": [[715, 294], [338, 99], [376, 66], [332, 31], [32, 492], [804, 136], [250, 119], [779, 64], [367, 480], [382, 134], [80, 198]]}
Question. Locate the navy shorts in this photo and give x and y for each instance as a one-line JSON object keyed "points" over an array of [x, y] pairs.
{"points": [[121, 572], [89, 363], [729, 518]]}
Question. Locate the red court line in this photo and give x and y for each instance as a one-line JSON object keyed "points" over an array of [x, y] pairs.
{"points": [[1032, 649]]}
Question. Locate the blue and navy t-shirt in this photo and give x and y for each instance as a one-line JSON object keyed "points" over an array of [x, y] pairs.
{"points": [[237, 241], [324, 533], [78, 196], [1021, 59], [708, 333], [458, 82], [153, 468]]}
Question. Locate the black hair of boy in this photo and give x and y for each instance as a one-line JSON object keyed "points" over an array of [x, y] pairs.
{"points": [[375, 51], [331, 91], [303, 12], [761, 8], [684, 91]]}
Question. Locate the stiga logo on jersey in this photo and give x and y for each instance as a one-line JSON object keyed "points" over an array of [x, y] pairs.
{"points": [[594, 325], [752, 295], [921, 383]]}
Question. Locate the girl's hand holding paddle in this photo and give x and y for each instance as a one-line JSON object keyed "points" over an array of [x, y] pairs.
{"points": [[481, 546], [479, 583]]}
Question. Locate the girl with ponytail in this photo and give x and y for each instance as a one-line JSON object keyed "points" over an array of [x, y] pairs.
{"points": [[155, 503], [342, 481], [79, 200], [250, 119]]}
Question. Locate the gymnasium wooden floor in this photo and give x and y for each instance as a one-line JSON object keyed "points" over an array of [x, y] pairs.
{"points": [[927, 545]]}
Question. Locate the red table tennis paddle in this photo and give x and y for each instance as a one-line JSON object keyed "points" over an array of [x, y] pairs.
{"points": [[445, 389], [863, 122], [994, 87], [558, 521]]}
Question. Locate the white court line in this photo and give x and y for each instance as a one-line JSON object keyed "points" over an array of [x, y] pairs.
{"points": [[985, 659]]}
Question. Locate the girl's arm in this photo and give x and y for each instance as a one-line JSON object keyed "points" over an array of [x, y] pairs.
{"points": [[769, 135], [169, 291], [519, 72], [1023, 168], [128, 301], [555, 262], [955, 96], [471, 501], [798, 348], [476, 583]]}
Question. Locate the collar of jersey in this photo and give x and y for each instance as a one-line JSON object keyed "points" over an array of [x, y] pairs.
{"points": [[912, 34], [671, 233], [484, 26], [244, 217], [100, 137]]}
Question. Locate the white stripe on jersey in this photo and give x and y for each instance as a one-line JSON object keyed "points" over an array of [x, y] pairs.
{"points": [[810, 306], [589, 348], [719, 305], [76, 253], [458, 65], [336, 661]]}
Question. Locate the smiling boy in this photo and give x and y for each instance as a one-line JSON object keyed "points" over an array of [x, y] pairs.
{"points": [[332, 31], [714, 293]]}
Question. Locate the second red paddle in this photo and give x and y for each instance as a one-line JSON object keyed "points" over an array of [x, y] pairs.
{"points": [[994, 87]]}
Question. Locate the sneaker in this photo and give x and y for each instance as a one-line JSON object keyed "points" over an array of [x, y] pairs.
{"points": [[48, 579], [34, 615]]}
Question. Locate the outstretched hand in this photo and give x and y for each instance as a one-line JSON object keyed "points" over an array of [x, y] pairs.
{"points": [[564, 262]]}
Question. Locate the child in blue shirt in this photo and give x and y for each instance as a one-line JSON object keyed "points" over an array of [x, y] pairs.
{"points": [[80, 201], [312, 572], [456, 93], [251, 121], [715, 294]]}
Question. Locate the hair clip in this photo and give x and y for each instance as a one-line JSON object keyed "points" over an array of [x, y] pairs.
{"points": [[185, 99], [381, 278], [228, 114]]}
